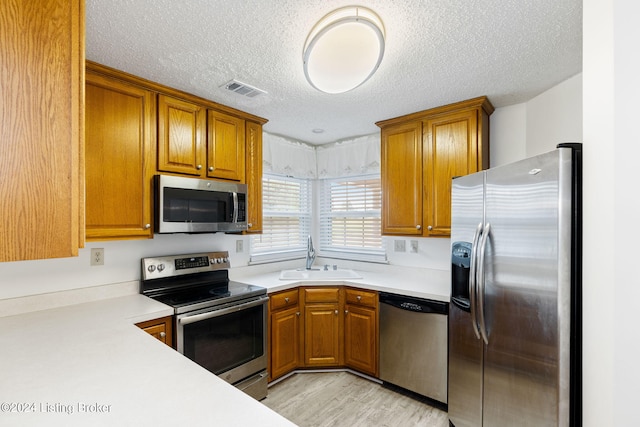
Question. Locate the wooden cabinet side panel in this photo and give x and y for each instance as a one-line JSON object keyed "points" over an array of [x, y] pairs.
{"points": [[120, 123], [401, 176], [226, 147], [253, 177], [450, 150], [41, 128], [181, 139]]}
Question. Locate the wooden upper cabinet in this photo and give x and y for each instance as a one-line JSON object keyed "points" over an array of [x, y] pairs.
{"points": [[225, 147], [181, 136], [120, 139], [416, 184], [401, 176], [451, 149], [41, 129], [253, 176]]}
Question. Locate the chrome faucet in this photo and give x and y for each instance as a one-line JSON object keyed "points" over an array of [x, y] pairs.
{"points": [[311, 253]]}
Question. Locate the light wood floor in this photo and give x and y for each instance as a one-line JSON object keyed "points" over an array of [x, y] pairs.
{"points": [[342, 399]]}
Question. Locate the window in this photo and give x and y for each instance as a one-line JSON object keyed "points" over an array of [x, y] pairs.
{"points": [[286, 219], [350, 218]]}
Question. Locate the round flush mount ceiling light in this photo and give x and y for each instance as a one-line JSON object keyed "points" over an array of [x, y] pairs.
{"points": [[344, 49]]}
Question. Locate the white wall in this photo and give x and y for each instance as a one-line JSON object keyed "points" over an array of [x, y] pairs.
{"points": [[611, 65], [538, 125], [555, 116], [121, 263], [508, 134]]}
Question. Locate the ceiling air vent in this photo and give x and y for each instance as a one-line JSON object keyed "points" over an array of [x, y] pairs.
{"points": [[243, 89]]}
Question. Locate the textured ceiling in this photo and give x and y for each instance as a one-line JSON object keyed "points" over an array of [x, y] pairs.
{"points": [[437, 52]]}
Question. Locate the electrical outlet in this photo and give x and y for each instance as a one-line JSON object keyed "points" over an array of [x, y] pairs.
{"points": [[97, 256], [399, 246], [239, 246], [414, 246]]}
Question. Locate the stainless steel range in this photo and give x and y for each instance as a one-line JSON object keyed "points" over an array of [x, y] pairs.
{"points": [[219, 324]]}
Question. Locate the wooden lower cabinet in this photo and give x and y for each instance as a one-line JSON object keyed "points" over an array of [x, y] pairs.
{"points": [[285, 348], [322, 333], [284, 333], [361, 331], [316, 328], [162, 329]]}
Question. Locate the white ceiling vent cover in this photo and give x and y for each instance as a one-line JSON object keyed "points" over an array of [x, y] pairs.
{"points": [[243, 89]]}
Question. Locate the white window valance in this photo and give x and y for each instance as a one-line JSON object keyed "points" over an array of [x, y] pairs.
{"points": [[349, 157], [286, 157]]}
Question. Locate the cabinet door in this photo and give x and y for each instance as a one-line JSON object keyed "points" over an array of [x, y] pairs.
{"points": [[181, 136], [450, 149], [285, 336], [225, 147], [41, 129], [254, 177], [322, 338], [401, 176], [361, 339], [160, 329], [120, 132]]}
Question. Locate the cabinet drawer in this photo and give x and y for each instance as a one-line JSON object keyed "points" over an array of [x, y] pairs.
{"points": [[322, 294], [362, 297], [284, 299]]}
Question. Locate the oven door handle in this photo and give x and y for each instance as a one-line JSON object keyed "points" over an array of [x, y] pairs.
{"points": [[215, 313]]}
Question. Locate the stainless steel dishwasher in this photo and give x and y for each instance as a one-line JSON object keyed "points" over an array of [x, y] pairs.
{"points": [[413, 344]]}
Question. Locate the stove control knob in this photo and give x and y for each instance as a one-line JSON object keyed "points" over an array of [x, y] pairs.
{"points": [[151, 268], [226, 259], [160, 267]]}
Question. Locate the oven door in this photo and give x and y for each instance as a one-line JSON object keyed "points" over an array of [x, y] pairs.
{"points": [[228, 340]]}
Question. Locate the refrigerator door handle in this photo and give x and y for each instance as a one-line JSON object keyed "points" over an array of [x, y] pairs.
{"points": [[472, 281], [481, 283]]}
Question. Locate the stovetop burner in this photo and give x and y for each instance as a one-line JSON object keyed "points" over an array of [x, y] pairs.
{"points": [[195, 281]]}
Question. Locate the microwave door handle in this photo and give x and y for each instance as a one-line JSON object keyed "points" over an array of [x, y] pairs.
{"points": [[235, 207]]}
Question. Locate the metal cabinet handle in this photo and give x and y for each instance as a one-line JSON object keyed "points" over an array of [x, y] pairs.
{"points": [[297, 313], [346, 312], [286, 299], [199, 167], [249, 225], [358, 298], [210, 168], [418, 227], [163, 334], [336, 311], [429, 228], [147, 226]]}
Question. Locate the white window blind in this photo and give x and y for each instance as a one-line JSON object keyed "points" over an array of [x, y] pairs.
{"points": [[350, 221], [286, 219]]}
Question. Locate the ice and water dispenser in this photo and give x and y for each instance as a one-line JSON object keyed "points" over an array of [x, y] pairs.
{"points": [[460, 267]]}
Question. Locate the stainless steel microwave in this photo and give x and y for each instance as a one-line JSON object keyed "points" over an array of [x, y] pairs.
{"points": [[192, 205]]}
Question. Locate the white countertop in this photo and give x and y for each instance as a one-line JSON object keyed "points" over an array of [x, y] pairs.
{"points": [[88, 364], [421, 283]]}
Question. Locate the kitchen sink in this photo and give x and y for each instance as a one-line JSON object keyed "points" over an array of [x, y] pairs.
{"points": [[319, 274]]}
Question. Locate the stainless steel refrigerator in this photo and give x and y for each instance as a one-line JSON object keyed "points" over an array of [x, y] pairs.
{"points": [[515, 311]]}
